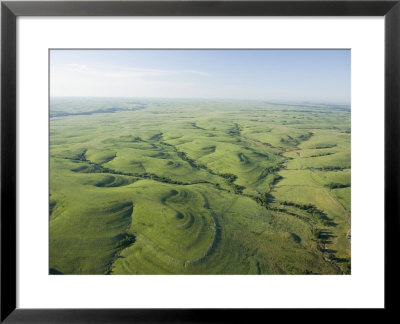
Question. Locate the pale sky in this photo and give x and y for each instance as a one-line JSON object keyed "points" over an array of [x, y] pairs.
{"points": [[321, 76]]}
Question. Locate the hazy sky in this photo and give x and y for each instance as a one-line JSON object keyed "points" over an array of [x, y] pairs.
{"points": [[276, 75]]}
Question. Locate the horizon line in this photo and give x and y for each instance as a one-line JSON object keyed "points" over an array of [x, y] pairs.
{"points": [[270, 101]]}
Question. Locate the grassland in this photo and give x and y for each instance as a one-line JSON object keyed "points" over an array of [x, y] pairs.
{"points": [[198, 187]]}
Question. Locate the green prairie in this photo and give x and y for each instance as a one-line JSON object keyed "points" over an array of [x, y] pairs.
{"points": [[198, 187]]}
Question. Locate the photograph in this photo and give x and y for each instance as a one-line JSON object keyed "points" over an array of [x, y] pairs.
{"points": [[199, 161]]}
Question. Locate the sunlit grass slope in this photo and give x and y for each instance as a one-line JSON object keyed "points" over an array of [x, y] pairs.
{"points": [[195, 187]]}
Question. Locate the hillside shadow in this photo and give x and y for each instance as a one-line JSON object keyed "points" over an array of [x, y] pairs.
{"points": [[326, 236], [277, 180], [327, 220], [341, 260], [55, 272], [270, 198]]}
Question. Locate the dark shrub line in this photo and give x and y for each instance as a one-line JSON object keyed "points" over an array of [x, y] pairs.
{"points": [[335, 185], [197, 127], [322, 154], [329, 168], [322, 146], [303, 137], [235, 131], [313, 210], [269, 170]]}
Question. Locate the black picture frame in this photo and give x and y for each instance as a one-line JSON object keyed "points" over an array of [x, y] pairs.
{"points": [[10, 10]]}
